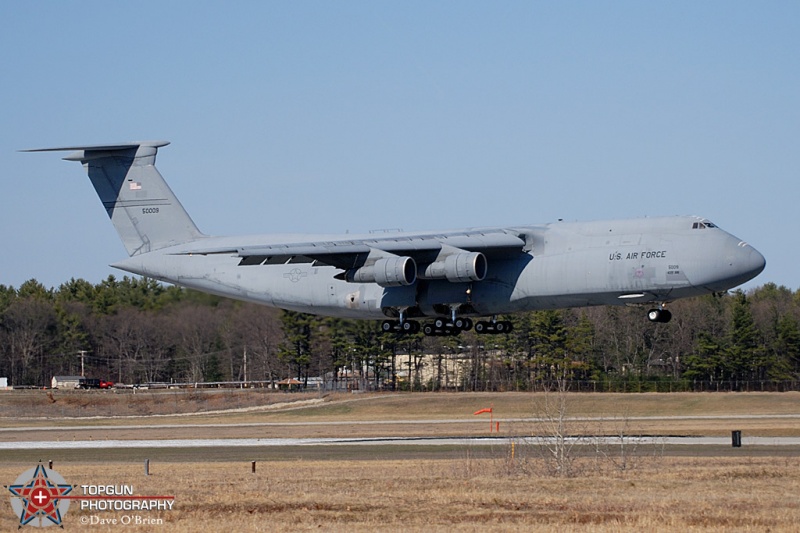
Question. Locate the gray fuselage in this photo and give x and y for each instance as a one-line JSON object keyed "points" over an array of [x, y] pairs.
{"points": [[566, 264]]}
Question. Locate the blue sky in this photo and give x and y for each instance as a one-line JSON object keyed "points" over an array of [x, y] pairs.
{"points": [[351, 116]]}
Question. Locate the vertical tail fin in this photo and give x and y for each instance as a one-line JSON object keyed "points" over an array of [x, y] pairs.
{"points": [[142, 207]]}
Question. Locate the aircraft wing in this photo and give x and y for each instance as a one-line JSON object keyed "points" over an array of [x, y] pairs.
{"points": [[346, 253], [394, 259]]}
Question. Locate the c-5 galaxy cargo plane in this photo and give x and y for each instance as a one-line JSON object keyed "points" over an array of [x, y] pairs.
{"points": [[449, 278]]}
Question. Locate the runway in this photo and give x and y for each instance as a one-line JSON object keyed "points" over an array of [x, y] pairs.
{"points": [[456, 432], [410, 422], [384, 441]]}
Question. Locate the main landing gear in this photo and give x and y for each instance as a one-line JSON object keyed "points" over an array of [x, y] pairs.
{"points": [[407, 326], [441, 327], [499, 326]]}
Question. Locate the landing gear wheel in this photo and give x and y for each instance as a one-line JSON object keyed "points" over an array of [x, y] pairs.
{"points": [[500, 327], [659, 315], [427, 329], [480, 327], [387, 326], [439, 323]]}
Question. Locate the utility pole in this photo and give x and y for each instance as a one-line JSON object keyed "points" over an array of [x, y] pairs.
{"points": [[82, 353], [245, 364]]}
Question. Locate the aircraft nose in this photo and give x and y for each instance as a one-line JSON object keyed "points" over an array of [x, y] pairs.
{"points": [[746, 263], [753, 263], [736, 263]]}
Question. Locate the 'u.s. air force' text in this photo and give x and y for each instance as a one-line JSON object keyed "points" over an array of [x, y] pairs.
{"points": [[648, 254]]}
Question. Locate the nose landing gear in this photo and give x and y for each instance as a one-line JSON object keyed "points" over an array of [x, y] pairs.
{"points": [[659, 315]]}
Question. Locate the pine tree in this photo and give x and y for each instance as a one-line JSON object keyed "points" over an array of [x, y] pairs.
{"points": [[295, 350], [707, 362], [745, 356], [786, 349], [580, 347], [549, 335]]}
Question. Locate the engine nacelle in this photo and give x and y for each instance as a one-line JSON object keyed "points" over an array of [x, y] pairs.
{"points": [[458, 268], [386, 272]]}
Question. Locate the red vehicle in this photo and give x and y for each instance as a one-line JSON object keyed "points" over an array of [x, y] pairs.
{"points": [[91, 383]]}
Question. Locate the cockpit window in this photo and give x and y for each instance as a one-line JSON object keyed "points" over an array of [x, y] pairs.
{"points": [[703, 225]]}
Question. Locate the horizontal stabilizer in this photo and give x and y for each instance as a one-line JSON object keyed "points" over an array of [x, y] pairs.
{"points": [[101, 147], [142, 207]]}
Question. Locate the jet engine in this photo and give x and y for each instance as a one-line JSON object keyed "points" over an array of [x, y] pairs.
{"points": [[386, 272], [457, 268]]}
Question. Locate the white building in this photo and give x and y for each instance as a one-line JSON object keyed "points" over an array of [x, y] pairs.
{"points": [[65, 382]]}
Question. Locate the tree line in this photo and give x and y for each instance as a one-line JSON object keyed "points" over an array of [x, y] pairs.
{"points": [[134, 331]]}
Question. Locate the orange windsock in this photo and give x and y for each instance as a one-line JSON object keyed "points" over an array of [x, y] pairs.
{"points": [[486, 410]]}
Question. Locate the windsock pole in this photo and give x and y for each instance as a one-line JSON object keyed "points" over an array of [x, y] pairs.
{"points": [[489, 410]]}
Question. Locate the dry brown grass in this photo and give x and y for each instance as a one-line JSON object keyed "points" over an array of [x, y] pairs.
{"points": [[463, 493], [344, 415], [362, 488], [43, 404]]}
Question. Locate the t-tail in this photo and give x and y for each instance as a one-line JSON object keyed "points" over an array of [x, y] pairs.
{"points": [[139, 202]]}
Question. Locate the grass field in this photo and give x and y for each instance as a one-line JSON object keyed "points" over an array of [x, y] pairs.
{"points": [[49, 407], [421, 488], [462, 492], [340, 415]]}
